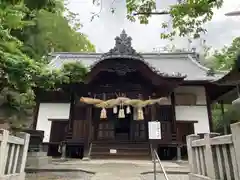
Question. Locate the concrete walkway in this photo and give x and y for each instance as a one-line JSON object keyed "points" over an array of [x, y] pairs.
{"points": [[121, 169]]}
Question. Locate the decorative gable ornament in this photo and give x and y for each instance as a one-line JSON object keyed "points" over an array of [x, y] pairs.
{"points": [[123, 48]]}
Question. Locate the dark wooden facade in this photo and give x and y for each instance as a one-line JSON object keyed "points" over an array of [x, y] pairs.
{"points": [[85, 127], [122, 72]]}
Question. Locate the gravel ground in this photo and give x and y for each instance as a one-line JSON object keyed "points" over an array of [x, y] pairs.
{"points": [[58, 176], [170, 176]]}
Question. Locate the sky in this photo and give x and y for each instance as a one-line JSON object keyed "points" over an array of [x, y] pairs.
{"points": [[145, 38]]}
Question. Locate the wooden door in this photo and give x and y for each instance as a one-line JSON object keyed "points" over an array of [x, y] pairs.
{"points": [[138, 130], [103, 128], [184, 128], [80, 124], [58, 131]]}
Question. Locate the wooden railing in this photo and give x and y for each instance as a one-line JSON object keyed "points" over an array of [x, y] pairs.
{"points": [[13, 155], [215, 157]]}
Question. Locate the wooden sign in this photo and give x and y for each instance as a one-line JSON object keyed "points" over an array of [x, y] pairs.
{"points": [[154, 130]]}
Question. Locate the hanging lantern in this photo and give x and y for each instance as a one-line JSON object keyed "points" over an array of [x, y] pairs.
{"points": [[128, 110], [115, 110], [140, 114], [103, 114]]}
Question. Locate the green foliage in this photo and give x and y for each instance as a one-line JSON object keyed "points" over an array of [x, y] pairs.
{"points": [[224, 60], [188, 16], [226, 57], [53, 32], [221, 123], [28, 31]]}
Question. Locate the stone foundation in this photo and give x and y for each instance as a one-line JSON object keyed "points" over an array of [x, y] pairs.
{"points": [[38, 159]]}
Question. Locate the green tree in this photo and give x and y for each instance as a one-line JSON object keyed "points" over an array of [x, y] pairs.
{"points": [[52, 32], [224, 59], [20, 74], [55, 28], [188, 16]]}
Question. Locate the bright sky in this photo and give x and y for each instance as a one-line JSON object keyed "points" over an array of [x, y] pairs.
{"points": [[103, 29]]}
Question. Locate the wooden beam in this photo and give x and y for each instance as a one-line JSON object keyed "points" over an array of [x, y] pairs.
{"points": [[227, 96]]}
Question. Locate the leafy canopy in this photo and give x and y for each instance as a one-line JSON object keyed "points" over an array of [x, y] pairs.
{"points": [[188, 16], [225, 58], [21, 70]]}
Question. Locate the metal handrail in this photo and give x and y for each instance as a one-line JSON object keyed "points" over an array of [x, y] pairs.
{"points": [[159, 161], [154, 157]]}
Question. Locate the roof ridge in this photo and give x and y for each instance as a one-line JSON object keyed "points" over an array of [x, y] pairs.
{"points": [[97, 53], [204, 67]]}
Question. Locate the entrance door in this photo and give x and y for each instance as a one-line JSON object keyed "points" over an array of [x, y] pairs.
{"points": [[122, 127]]}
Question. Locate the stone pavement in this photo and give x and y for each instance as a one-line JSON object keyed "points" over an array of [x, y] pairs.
{"points": [[121, 169]]}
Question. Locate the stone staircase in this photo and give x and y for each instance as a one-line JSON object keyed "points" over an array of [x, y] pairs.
{"points": [[120, 150]]}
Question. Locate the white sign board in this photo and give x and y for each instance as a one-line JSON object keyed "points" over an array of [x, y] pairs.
{"points": [[154, 130], [113, 151]]}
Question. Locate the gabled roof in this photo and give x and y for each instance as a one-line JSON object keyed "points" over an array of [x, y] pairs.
{"points": [[168, 63], [171, 64]]}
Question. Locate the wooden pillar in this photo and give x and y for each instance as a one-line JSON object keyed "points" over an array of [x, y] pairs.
{"points": [[153, 112], [72, 107], [88, 132], [174, 124], [153, 109], [90, 124], [209, 110], [223, 112], [35, 114]]}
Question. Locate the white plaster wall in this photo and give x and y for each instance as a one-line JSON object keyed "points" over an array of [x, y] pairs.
{"points": [[51, 111], [194, 113], [199, 91]]}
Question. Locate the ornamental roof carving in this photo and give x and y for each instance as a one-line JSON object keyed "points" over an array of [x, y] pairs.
{"points": [[123, 48]]}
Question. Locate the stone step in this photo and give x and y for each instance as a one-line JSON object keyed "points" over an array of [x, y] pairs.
{"points": [[100, 148], [127, 150]]}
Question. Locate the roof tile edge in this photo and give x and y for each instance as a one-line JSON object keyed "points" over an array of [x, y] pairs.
{"points": [[204, 67]]}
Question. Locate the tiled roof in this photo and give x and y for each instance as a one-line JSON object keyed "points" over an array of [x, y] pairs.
{"points": [[167, 63]]}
